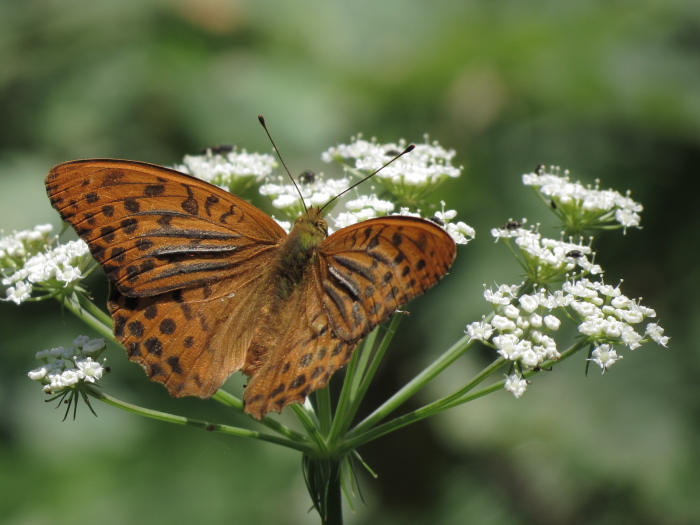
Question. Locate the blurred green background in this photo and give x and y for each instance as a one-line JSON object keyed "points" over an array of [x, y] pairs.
{"points": [[610, 90]]}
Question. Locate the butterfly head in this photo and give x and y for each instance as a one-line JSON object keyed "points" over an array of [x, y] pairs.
{"points": [[311, 227]]}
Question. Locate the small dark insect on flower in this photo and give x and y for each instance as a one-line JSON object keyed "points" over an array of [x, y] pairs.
{"points": [[540, 169], [437, 220], [307, 177], [108, 369], [392, 153], [576, 254], [218, 149], [512, 225]]}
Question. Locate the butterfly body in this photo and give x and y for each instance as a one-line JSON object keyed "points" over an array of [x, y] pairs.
{"points": [[204, 284]]}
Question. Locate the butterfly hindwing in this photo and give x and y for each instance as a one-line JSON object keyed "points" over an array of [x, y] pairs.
{"points": [[306, 353]]}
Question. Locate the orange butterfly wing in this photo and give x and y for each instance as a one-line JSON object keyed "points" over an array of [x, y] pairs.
{"points": [[363, 274], [368, 270], [186, 261]]}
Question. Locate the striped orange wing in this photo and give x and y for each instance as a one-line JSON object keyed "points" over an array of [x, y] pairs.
{"points": [[372, 268]]}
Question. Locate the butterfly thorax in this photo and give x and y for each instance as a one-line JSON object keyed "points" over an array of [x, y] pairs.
{"points": [[298, 251]]}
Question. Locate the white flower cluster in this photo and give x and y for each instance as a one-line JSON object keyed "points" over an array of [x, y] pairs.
{"points": [[316, 192], [232, 171], [16, 248], [66, 367], [47, 270], [411, 178], [544, 259], [521, 332], [460, 232], [362, 208], [584, 207], [607, 316], [519, 327]]}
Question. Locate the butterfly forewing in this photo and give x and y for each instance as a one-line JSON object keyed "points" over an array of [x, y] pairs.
{"points": [[155, 230], [186, 263], [370, 269]]}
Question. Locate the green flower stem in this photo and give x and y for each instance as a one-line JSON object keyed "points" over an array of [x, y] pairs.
{"points": [[376, 360], [83, 309], [179, 420], [311, 425], [325, 410], [357, 383], [97, 312], [346, 393], [426, 411], [231, 401], [413, 386]]}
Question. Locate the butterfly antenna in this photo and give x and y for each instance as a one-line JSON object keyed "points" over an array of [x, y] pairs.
{"points": [[262, 122], [407, 150]]}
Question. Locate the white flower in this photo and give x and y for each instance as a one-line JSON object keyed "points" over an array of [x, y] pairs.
{"points": [[511, 311], [657, 334], [503, 295], [552, 322], [604, 356], [460, 232], [19, 293], [529, 303], [479, 330], [515, 385], [89, 370], [502, 323]]}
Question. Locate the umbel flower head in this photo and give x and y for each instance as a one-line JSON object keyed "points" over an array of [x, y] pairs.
{"points": [[582, 207], [66, 367], [316, 192], [409, 179], [229, 169], [31, 264], [546, 260]]}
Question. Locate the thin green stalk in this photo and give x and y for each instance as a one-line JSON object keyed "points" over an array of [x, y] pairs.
{"points": [[325, 409], [376, 360], [311, 425], [102, 328], [356, 384], [413, 386], [179, 420], [457, 398], [355, 440], [231, 401], [353, 370], [93, 309]]}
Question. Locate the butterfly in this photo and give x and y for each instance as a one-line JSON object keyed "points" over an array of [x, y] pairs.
{"points": [[203, 284]]}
